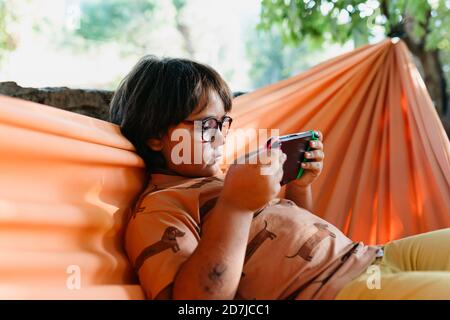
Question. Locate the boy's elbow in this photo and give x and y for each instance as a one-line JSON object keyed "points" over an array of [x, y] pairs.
{"points": [[165, 294]]}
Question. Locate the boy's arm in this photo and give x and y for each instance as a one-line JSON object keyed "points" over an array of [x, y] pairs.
{"points": [[166, 293], [214, 269], [302, 196]]}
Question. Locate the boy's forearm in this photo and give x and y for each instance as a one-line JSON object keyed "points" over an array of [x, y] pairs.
{"points": [[301, 196], [214, 269]]}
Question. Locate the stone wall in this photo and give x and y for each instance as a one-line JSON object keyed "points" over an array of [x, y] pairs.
{"points": [[90, 102], [93, 103]]}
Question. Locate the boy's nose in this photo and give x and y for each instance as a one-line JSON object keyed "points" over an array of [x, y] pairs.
{"points": [[218, 139]]}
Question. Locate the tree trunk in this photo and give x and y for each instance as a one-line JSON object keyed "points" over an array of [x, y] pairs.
{"points": [[434, 79], [183, 29], [431, 70], [430, 64]]}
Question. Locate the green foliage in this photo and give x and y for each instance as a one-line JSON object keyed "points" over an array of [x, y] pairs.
{"points": [[297, 19], [355, 19], [7, 42], [439, 31], [427, 22], [271, 60], [111, 20], [179, 4]]}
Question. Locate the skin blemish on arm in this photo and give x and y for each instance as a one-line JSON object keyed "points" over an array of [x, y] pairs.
{"points": [[215, 278], [207, 289], [216, 272]]}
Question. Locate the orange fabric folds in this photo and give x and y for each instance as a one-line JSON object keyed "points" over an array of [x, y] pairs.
{"points": [[67, 180], [386, 171], [65, 183]]}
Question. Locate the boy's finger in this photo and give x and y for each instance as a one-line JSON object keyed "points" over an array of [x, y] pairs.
{"points": [[317, 155], [316, 144], [271, 168], [319, 133], [279, 176], [283, 157], [312, 165]]}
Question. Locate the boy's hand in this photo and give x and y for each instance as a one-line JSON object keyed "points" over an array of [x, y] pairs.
{"points": [[312, 168], [251, 185]]}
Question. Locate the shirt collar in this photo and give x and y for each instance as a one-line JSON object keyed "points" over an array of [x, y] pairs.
{"points": [[160, 177]]}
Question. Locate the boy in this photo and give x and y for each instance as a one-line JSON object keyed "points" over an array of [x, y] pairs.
{"points": [[197, 233]]}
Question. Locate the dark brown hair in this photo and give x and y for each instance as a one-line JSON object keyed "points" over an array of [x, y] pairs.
{"points": [[159, 93]]}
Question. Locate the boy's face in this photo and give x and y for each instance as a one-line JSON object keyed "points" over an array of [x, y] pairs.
{"points": [[184, 141]]}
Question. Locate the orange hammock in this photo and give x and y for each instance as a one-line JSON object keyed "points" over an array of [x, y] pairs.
{"points": [[66, 179], [387, 157]]}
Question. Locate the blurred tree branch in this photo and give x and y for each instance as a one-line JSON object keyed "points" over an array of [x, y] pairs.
{"points": [[422, 25]]}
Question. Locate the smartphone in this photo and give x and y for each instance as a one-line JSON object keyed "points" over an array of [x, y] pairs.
{"points": [[294, 146]]}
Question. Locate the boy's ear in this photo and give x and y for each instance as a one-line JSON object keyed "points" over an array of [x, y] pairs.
{"points": [[155, 144]]}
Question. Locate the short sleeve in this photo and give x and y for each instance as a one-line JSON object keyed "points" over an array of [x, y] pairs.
{"points": [[158, 243]]}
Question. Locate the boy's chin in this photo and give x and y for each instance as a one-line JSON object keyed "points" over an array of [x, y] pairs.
{"points": [[203, 171], [212, 169]]}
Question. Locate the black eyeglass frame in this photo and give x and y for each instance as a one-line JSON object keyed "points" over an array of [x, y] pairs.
{"points": [[218, 124]]}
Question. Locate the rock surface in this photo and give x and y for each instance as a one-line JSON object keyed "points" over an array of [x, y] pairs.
{"points": [[90, 102], [93, 103]]}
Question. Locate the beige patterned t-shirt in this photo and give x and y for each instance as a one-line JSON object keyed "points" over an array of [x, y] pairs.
{"points": [[291, 253]]}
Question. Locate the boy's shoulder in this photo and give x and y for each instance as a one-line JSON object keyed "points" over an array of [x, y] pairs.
{"points": [[159, 182], [163, 190]]}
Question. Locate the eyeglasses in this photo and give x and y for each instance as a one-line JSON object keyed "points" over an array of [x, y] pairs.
{"points": [[210, 125]]}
